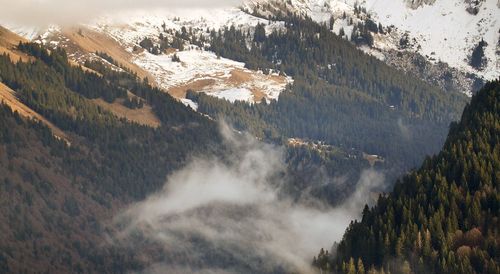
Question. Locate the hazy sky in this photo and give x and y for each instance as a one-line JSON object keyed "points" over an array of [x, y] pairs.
{"points": [[43, 12]]}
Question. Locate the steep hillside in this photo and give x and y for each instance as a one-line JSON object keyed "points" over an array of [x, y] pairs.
{"points": [[157, 46], [422, 37], [9, 42], [95, 117], [141, 112], [457, 50], [56, 198], [81, 44], [230, 54], [51, 217], [443, 218], [59, 200], [340, 95], [9, 98]]}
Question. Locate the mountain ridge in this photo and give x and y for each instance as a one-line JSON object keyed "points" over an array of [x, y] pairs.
{"points": [[389, 37], [449, 38]]}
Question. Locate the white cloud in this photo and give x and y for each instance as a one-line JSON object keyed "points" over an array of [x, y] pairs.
{"points": [[45, 12], [234, 207]]}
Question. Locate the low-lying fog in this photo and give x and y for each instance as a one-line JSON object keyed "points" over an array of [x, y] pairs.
{"points": [[216, 216]]}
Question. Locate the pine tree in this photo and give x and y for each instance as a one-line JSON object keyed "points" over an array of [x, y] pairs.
{"points": [[360, 267], [477, 59], [423, 218], [351, 267], [260, 33], [331, 22]]}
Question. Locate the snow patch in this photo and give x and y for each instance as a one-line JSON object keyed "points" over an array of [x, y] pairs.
{"points": [[444, 31], [233, 95], [195, 64], [189, 103]]}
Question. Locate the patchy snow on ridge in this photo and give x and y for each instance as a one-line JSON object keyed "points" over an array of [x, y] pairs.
{"points": [[442, 31], [203, 71], [445, 29], [27, 32], [198, 69], [129, 28], [194, 64], [189, 103], [233, 95]]}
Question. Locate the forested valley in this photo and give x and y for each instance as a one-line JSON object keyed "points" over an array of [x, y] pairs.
{"points": [[60, 193], [340, 95], [441, 218]]}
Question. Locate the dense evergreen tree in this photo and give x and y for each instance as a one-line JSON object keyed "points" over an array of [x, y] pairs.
{"points": [[260, 34], [59, 91], [339, 95], [477, 59], [443, 218], [56, 199]]}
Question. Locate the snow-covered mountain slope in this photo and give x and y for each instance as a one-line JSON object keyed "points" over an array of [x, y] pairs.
{"points": [[433, 39], [189, 67], [444, 32], [446, 29], [195, 68]]}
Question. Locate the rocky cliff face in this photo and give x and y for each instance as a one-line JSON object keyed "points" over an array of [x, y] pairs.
{"points": [[414, 4]]}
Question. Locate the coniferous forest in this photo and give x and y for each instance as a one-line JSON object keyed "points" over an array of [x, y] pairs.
{"points": [[340, 95], [442, 218], [57, 191]]}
